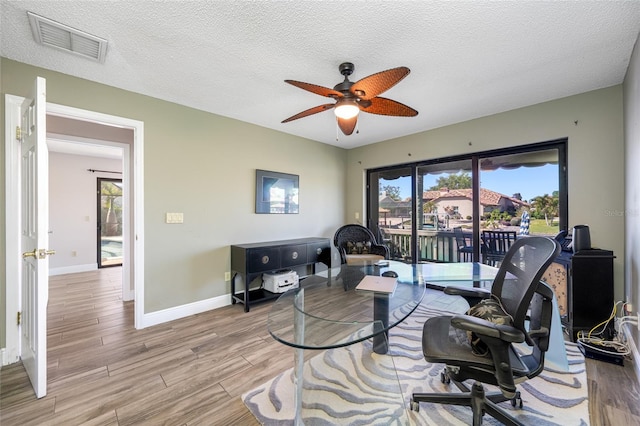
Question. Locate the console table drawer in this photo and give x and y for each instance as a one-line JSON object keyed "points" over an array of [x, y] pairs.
{"points": [[319, 252], [293, 255], [263, 259]]}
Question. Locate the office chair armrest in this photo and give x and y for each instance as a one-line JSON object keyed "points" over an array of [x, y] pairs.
{"points": [[472, 295], [481, 293], [483, 327]]}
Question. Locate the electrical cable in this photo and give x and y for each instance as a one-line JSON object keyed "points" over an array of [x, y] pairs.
{"points": [[608, 347]]}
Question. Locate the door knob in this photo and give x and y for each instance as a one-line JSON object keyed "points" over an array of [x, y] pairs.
{"points": [[38, 254], [42, 253], [33, 253]]}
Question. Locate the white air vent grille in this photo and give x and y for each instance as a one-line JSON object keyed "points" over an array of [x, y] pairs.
{"points": [[60, 36]]}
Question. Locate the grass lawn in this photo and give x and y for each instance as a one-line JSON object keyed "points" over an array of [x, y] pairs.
{"points": [[539, 226]]}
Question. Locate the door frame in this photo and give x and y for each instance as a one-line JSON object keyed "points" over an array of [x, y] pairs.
{"points": [[133, 178]]}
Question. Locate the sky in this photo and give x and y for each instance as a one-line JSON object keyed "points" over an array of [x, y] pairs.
{"points": [[530, 182]]}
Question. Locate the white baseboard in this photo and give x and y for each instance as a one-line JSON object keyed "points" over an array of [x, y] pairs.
{"points": [[73, 269], [628, 330], [177, 312], [2, 360], [129, 296]]}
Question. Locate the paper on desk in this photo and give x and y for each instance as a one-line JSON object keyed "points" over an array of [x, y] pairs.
{"points": [[378, 284]]}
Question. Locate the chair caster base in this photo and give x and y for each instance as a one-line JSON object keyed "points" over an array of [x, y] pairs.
{"points": [[517, 401], [414, 406]]}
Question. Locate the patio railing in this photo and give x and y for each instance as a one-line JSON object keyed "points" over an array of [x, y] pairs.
{"points": [[433, 246]]}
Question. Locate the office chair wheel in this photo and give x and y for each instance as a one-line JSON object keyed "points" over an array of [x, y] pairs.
{"points": [[517, 400], [414, 406], [444, 377]]}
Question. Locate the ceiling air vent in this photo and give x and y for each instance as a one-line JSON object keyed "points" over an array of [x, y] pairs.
{"points": [[60, 36]]}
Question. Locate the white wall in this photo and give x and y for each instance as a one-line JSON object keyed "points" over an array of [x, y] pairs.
{"points": [[73, 210], [632, 182]]}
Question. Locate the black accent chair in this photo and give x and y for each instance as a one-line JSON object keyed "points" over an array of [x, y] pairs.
{"points": [[528, 301], [465, 250], [354, 234], [495, 245]]}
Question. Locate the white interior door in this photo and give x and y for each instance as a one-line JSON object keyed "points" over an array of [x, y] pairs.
{"points": [[34, 224]]}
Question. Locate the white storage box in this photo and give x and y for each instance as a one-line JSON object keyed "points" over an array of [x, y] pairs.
{"points": [[280, 282]]}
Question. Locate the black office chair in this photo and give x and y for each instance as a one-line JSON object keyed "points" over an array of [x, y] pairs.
{"points": [[347, 237], [465, 250], [528, 301]]}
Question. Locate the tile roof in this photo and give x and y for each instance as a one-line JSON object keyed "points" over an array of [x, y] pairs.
{"points": [[487, 196]]}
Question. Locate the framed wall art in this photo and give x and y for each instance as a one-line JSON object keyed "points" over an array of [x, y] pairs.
{"points": [[276, 193]]}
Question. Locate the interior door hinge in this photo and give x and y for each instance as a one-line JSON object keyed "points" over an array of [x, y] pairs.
{"points": [[19, 318], [18, 133]]}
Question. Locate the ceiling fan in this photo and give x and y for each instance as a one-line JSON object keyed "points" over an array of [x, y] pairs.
{"points": [[351, 98]]}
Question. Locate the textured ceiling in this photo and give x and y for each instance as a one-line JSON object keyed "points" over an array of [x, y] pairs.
{"points": [[467, 59]]}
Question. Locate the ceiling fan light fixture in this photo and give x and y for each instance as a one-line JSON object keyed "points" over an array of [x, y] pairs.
{"points": [[346, 108]]}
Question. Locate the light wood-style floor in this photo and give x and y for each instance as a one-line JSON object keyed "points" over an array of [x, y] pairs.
{"points": [[191, 371]]}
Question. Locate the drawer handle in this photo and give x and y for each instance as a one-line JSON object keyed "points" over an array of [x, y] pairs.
{"points": [[318, 250], [294, 255], [265, 260]]}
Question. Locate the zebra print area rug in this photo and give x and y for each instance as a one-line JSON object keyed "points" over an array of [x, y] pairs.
{"points": [[354, 386]]}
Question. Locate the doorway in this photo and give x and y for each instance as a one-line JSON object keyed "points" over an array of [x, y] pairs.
{"points": [[133, 222], [109, 214]]}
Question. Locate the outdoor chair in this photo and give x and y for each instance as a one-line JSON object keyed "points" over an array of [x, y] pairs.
{"points": [[476, 348], [495, 245], [355, 242], [465, 251]]}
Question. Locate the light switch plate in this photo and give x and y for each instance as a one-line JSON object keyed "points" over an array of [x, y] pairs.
{"points": [[174, 218]]}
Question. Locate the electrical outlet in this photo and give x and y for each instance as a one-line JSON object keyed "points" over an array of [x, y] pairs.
{"points": [[227, 276]]}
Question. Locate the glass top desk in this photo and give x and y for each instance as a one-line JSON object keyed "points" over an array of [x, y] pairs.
{"points": [[326, 312]]}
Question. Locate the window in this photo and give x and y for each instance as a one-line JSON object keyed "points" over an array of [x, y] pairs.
{"points": [[481, 191]]}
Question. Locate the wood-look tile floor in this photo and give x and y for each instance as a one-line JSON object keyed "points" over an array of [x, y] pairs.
{"points": [[191, 371]]}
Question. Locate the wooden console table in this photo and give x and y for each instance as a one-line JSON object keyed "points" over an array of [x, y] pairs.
{"points": [[252, 260]]}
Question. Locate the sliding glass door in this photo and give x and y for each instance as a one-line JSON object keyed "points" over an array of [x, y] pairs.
{"points": [[437, 210], [109, 222], [522, 185], [391, 206], [447, 203]]}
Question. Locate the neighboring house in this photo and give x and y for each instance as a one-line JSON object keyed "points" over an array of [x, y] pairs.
{"points": [[395, 208], [460, 201]]}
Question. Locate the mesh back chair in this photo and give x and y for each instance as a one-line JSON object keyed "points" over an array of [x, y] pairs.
{"points": [[495, 245], [348, 236], [528, 301], [465, 251]]}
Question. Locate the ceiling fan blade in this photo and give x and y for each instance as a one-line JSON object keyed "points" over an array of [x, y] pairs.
{"points": [[310, 111], [384, 106], [375, 84], [347, 124], [318, 90]]}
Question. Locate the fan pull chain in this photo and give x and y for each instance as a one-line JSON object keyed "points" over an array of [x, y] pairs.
{"points": [[337, 130]]}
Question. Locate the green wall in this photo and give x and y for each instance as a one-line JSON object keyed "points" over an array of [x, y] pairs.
{"points": [[202, 165], [595, 157]]}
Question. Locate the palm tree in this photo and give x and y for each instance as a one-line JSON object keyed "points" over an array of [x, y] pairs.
{"points": [[548, 205]]}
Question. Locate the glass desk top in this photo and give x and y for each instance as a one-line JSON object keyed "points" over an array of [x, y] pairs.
{"points": [[327, 312]]}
